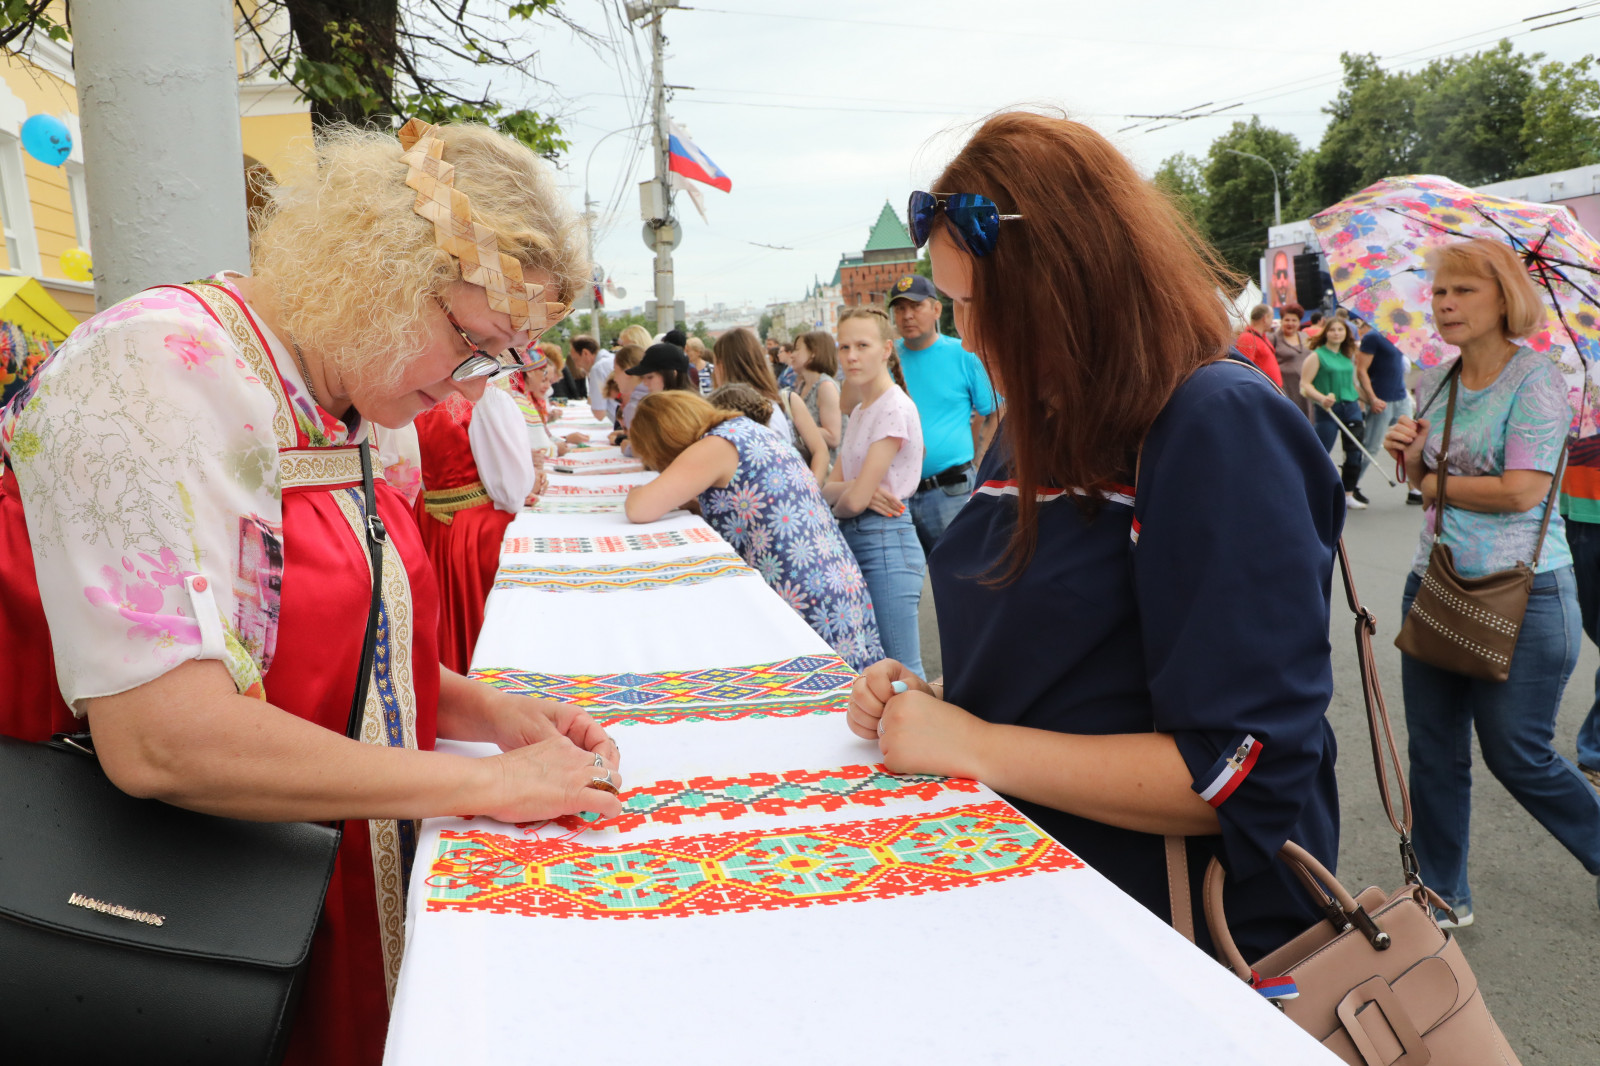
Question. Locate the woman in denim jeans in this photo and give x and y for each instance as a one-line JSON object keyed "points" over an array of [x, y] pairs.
{"points": [[1506, 440], [880, 462]]}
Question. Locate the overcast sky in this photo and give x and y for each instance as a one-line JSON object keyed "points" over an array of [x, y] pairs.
{"points": [[821, 111]]}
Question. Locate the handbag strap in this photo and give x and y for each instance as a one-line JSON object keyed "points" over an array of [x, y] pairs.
{"points": [[1444, 450], [1550, 501], [376, 535], [1385, 752]]}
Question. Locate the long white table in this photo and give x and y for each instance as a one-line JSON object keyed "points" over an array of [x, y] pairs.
{"points": [[771, 894]]}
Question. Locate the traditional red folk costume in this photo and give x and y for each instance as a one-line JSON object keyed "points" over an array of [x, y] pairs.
{"points": [[171, 438], [174, 493], [476, 471]]}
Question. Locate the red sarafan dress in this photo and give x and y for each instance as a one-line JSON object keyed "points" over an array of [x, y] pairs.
{"points": [[476, 470], [176, 495]]}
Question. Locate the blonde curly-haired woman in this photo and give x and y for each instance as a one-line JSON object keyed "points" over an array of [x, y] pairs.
{"points": [[182, 529]]}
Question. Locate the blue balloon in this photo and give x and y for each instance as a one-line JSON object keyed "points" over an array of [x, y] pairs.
{"points": [[47, 139]]}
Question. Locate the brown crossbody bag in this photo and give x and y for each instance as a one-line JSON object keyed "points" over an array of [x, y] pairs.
{"points": [[1469, 625]]}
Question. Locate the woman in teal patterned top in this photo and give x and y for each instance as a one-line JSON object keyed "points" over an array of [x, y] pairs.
{"points": [[1506, 440]]}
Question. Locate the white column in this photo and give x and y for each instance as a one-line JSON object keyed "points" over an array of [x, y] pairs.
{"points": [[158, 93]]}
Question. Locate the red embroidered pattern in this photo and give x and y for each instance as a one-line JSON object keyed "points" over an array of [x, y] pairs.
{"points": [[723, 873], [676, 538], [674, 802], [618, 489]]}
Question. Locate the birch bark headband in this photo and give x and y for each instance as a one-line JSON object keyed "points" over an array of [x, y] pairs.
{"points": [[475, 246]]}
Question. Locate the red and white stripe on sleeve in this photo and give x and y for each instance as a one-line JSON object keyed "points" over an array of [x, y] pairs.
{"points": [[1233, 772]]}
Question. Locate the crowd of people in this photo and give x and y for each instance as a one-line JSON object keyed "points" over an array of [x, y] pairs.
{"points": [[1348, 376], [1126, 657]]}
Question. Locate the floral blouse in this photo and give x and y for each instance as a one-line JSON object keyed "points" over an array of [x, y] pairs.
{"points": [[146, 457], [775, 517]]}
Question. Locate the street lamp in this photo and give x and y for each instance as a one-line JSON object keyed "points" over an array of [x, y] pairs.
{"points": [[588, 208], [1277, 202]]}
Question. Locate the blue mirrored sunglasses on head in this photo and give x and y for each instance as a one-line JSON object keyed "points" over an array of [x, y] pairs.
{"points": [[974, 219]]}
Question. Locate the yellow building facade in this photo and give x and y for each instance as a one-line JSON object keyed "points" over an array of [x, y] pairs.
{"points": [[44, 209]]}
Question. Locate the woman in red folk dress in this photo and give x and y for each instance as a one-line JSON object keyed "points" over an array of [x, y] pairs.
{"points": [[477, 471], [182, 533]]}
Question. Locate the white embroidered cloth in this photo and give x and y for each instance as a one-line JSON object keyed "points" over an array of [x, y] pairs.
{"points": [[770, 894]]}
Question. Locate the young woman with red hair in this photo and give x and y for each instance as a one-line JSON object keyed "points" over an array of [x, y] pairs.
{"points": [[1134, 604]]}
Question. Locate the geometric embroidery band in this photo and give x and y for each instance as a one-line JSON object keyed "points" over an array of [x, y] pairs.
{"points": [[578, 505], [727, 873], [621, 576], [598, 465], [803, 678], [588, 490], [674, 802], [633, 542]]}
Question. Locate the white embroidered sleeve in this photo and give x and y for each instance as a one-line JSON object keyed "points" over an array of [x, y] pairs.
{"points": [[148, 471], [499, 440]]}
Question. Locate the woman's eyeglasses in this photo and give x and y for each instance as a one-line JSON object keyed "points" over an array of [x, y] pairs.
{"points": [[480, 364], [974, 219]]}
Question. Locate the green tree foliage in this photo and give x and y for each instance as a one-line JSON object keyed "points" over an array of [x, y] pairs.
{"points": [[1179, 177], [1371, 134], [1487, 117], [21, 18], [1469, 115], [1491, 116], [1237, 208], [1561, 118]]}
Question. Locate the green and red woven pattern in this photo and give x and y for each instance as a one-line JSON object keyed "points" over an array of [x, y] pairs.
{"points": [[724, 873], [806, 684], [674, 802]]}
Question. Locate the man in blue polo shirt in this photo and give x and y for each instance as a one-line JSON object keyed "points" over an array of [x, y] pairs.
{"points": [[1381, 377], [954, 398]]}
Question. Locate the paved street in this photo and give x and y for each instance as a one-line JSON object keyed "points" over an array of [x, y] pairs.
{"points": [[1536, 943]]}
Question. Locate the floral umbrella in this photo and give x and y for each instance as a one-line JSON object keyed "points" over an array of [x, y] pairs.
{"points": [[1374, 241]]}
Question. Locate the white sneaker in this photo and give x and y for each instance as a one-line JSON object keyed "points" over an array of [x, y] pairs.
{"points": [[1463, 918], [1353, 504]]}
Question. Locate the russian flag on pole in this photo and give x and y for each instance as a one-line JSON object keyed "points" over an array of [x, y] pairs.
{"points": [[687, 159]]}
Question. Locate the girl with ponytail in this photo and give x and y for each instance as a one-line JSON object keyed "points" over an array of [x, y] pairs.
{"points": [[880, 462]]}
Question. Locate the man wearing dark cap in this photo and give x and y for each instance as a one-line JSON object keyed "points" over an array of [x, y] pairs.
{"points": [[954, 398]]}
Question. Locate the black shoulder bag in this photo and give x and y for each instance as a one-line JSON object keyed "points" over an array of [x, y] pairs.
{"points": [[135, 931]]}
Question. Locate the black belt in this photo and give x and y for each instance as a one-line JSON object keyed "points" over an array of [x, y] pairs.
{"points": [[954, 476]]}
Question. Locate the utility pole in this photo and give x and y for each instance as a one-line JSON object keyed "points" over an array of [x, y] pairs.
{"points": [[160, 112], [662, 228]]}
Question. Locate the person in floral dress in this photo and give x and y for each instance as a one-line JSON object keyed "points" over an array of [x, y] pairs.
{"points": [[755, 490], [183, 535]]}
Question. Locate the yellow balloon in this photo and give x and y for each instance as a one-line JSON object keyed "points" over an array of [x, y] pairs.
{"points": [[77, 264]]}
